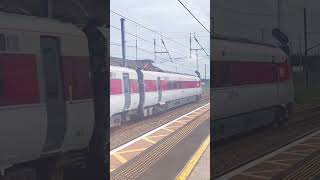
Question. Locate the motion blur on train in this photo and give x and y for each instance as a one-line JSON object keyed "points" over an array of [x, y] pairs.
{"points": [[252, 86], [136, 93]]}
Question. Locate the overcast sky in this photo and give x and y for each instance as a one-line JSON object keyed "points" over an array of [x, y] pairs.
{"points": [[172, 20]]}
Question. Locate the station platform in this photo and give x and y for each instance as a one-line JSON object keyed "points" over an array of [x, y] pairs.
{"points": [[164, 152], [202, 168], [299, 159]]}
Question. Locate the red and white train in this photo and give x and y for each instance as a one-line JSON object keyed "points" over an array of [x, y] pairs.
{"points": [[46, 101], [252, 86], [144, 93], [46, 97]]}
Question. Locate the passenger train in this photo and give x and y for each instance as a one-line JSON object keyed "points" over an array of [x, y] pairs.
{"points": [[252, 86], [139, 93], [46, 96]]}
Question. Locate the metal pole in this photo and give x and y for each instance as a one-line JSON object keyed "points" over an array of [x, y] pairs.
{"points": [[279, 14], [50, 9], [45, 8], [190, 45], [305, 32], [154, 47], [136, 43], [205, 71], [305, 46], [197, 62], [123, 42]]}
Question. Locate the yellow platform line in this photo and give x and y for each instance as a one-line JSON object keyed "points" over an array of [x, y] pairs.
{"points": [[184, 174], [181, 122], [174, 126], [149, 140], [120, 158], [112, 170], [161, 135], [132, 150], [168, 129]]}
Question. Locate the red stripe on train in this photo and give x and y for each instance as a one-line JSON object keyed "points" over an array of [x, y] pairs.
{"points": [[246, 73], [115, 86], [151, 85], [76, 74], [18, 79]]}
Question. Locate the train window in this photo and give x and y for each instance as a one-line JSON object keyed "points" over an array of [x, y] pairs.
{"points": [[179, 84], [224, 74], [1, 85], [175, 86], [12, 42], [169, 85], [126, 83], [2, 42]]}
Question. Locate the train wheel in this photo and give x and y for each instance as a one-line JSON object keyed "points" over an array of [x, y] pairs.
{"points": [[156, 110], [280, 118]]}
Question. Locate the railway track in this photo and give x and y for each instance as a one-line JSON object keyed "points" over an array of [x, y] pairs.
{"points": [[232, 155]]}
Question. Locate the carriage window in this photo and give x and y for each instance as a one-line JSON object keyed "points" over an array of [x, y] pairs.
{"points": [[126, 86], [224, 74], [168, 85], [179, 85], [1, 86], [2, 43], [12, 42], [175, 86]]}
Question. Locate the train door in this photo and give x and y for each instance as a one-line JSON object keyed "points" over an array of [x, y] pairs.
{"points": [[53, 85], [126, 90], [159, 89]]}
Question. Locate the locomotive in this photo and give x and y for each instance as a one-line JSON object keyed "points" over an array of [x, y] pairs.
{"points": [[140, 93]]}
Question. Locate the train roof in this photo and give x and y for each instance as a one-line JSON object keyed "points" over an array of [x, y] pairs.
{"points": [[34, 24], [119, 68], [172, 73], [241, 40], [226, 50]]}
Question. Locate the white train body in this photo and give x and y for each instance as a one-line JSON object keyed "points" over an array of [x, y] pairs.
{"points": [[46, 103], [251, 83], [117, 89], [149, 92]]}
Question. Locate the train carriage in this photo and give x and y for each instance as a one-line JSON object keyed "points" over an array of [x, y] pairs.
{"points": [[124, 94], [252, 86], [150, 93], [168, 90], [46, 103]]}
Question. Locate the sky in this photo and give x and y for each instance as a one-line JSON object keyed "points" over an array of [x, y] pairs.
{"points": [[255, 20], [172, 23]]}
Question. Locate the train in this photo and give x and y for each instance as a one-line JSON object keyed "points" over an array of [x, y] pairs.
{"points": [[136, 94], [46, 99], [46, 94], [252, 87]]}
